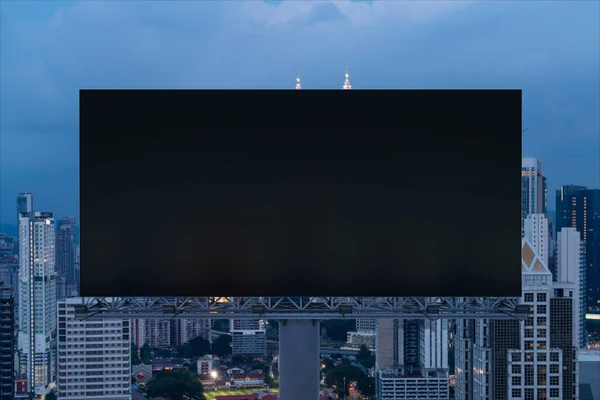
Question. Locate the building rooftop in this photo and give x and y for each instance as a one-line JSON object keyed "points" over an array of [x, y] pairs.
{"points": [[589, 355]]}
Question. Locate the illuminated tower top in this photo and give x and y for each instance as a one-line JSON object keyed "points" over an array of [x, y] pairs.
{"points": [[347, 85], [298, 87]]}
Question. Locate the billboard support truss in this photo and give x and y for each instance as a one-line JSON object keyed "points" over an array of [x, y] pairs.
{"points": [[316, 308]]}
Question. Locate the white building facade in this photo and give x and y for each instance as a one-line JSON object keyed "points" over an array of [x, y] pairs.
{"points": [[37, 300], [94, 356]]}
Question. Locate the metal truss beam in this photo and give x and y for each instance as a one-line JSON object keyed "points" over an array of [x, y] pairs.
{"points": [[302, 308]]}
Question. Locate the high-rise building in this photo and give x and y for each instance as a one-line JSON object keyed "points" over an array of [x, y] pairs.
{"points": [[571, 274], [564, 337], [37, 300], [191, 328], [248, 337], [529, 360], [94, 356], [366, 325], [156, 333], [579, 207], [24, 204], [66, 250], [533, 188], [536, 231], [412, 359], [7, 342]]}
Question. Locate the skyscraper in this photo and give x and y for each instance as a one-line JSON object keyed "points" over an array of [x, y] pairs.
{"points": [[571, 274], [24, 204], [37, 300], [65, 249], [412, 359], [531, 359], [7, 342], [579, 207], [536, 230], [156, 333], [94, 356], [533, 188]]}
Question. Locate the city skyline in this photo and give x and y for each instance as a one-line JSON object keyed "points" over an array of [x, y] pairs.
{"points": [[517, 46]]}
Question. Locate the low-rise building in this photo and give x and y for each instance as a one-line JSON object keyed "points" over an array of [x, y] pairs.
{"points": [[248, 380]]}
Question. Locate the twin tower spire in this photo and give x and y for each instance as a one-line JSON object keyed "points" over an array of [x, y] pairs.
{"points": [[346, 86]]}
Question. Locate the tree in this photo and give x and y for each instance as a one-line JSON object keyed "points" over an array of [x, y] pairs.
{"points": [[366, 385], [135, 357], [176, 385], [51, 396], [196, 347], [269, 381], [341, 376], [328, 363], [222, 345], [337, 329], [365, 357], [146, 354], [238, 359]]}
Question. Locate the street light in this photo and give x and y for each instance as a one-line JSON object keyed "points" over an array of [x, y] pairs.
{"points": [[214, 376]]}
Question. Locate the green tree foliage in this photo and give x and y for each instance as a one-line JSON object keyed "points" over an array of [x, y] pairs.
{"points": [[221, 346], [135, 357], [51, 396], [365, 357], [197, 347], [269, 381], [335, 377], [146, 354], [337, 329], [238, 359], [176, 385], [366, 385], [328, 363]]}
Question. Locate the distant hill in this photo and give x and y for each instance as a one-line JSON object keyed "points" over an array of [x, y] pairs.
{"points": [[9, 229]]}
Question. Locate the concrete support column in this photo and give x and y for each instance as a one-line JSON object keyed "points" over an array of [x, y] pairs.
{"points": [[299, 360]]}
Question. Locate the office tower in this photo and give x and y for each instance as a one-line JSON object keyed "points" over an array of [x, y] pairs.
{"points": [[433, 345], [156, 333], [533, 188], [535, 361], [66, 250], [248, 337], [24, 204], [535, 367], [579, 207], [535, 227], [463, 359], [37, 300], [387, 344], [7, 342], [94, 356], [410, 361], [564, 338], [571, 274]]}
